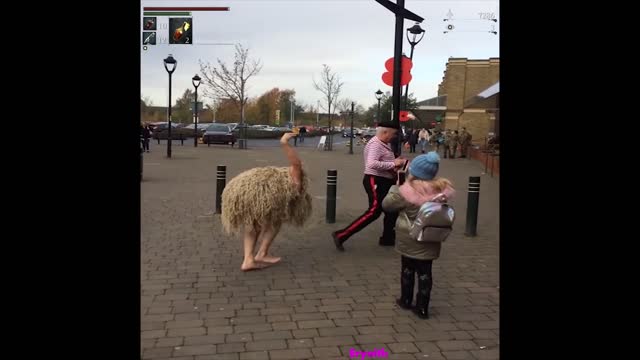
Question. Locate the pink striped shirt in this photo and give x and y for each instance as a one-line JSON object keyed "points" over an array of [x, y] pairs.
{"points": [[378, 159]]}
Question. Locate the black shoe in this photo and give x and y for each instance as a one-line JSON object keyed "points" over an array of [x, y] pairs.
{"points": [[404, 304], [385, 242], [421, 313], [337, 241]]}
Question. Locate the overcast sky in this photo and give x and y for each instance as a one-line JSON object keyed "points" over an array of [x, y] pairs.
{"points": [[293, 38]]}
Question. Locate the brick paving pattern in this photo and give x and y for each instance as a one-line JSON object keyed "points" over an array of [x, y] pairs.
{"points": [[317, 303]]}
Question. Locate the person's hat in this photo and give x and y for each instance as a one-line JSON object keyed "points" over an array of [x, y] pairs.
{"points": [[425, 167], [389, 124]]}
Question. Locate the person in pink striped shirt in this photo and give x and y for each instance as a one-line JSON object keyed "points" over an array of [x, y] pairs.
{"points": [[380, 173]]}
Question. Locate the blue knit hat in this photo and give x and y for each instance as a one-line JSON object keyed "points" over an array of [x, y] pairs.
{"points": [[425, 167]]}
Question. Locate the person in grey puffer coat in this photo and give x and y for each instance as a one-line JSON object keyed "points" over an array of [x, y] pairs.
{"points": [[417, 257]]}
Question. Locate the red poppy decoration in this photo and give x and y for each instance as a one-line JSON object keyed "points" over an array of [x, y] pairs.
{"points": [[405, 75]]}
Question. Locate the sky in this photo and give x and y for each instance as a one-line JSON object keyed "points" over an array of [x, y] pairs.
{"points": [[293, 38]]}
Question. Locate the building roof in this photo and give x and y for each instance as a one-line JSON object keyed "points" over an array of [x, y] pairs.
{"points": [[435, 101], [486, 99]]}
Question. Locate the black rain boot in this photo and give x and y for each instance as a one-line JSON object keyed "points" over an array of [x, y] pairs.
{"points": [[407, 278], [425, 282]]}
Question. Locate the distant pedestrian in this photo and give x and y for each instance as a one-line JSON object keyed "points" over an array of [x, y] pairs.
{"points": [[146, 135], [413, 140], [302, 133], [465, 142], [423, 138]]}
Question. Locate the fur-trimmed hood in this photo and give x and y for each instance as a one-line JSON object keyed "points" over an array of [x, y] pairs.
{"points": [[420, 192]]}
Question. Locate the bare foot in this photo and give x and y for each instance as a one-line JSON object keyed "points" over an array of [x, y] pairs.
{"points": [[252, 265], [268, 259]]}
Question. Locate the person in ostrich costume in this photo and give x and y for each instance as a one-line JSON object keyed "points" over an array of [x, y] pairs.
{"points": [[258, 201]]}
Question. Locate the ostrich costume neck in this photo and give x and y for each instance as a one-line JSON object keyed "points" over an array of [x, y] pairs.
{"points": [[264, 196]]}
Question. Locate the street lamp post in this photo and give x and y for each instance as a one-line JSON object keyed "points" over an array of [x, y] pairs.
{"points": [[378, 97], [351, 137], [415, 31], [169, 61], [196, 82]]}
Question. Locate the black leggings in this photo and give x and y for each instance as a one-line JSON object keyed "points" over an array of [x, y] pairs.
{"points": [[425, 281]]}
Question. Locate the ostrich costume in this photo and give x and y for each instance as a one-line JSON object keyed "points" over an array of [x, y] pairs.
{"points": [[264, 196]]}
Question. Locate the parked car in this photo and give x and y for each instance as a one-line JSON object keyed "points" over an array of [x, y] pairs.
{"points": [[347, 132], [163, 126], [202, 127], [219, 134], [369, 133]]}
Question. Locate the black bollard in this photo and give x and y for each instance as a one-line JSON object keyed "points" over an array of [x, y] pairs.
{"points": [[220, 184], [472, 206], [158, 140], [332, 184]]}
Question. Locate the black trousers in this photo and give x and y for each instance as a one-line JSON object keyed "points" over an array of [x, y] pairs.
{"points": [[412, 147], [425, 281], [145, 144], [377, 188]]}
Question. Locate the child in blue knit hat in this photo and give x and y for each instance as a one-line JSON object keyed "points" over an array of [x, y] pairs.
{"points": [[421, 187]]}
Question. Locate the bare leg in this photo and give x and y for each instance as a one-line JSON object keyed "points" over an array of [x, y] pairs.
{"points": [[266, 239], [250, 239]]}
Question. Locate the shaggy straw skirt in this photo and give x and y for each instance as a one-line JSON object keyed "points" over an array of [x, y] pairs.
{"points": [[264, 196]]}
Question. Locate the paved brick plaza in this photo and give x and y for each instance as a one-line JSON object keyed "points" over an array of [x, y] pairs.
{"points": [[317, 303]]}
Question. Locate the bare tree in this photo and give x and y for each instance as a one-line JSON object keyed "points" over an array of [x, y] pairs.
{"points": [[344, 105], [230, 82], [329, 86]]}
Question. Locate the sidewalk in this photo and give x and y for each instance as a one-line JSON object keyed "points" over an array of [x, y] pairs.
{"points": [[317, 303]]}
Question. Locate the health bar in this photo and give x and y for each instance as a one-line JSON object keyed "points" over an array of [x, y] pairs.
{"points": [[219, 8], [167, 13]]}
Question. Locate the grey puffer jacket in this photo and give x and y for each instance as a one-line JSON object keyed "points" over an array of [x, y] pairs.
{"points": [[408, 198]]}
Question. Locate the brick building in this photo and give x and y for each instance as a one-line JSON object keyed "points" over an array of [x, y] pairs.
{"points": [[463, 81]]}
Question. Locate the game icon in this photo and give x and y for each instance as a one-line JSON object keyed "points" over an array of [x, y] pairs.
{"points": [[148, 38], [149, 23], [180, 31]]}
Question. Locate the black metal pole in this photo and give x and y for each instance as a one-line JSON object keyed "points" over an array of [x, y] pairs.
{"points": [[332, 183], [195, 138], [406, 93], [472, 206], [397, 71], [378, 112], [221, 180], [330, 137], [169, 130], [351, 137]]}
